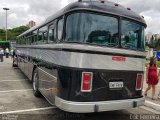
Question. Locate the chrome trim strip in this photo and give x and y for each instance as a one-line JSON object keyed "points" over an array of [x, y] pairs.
{"points": [[48, 74], [83, 60], [88, 107], [85, 47], [29, 74], [46, 98]]}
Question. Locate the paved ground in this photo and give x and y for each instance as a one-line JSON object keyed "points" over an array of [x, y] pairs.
{"points": [[157, 101], [18, 103], [155, 104]]}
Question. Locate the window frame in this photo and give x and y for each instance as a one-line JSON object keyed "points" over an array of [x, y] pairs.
{"points": [[42, 32]]}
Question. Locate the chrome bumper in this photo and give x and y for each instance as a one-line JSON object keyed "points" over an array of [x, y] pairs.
{"points": [[88, 107]]}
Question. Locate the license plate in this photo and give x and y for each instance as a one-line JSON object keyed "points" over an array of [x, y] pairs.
{"points": [[115, 85]]}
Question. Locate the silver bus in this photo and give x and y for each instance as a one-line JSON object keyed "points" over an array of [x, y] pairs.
{"points": [[88, 57]]}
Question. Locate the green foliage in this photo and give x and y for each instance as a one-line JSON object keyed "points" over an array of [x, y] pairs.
{"points": [[152, 43], [2, 34], [4, 44], [158, 64], [155, 44], [12, 33], [157, 47]]}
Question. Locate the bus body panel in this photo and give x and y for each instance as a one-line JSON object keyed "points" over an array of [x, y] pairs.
{"points": [[62, 75], [101, 106], [26, 66], [46, 74], [86, 60]]}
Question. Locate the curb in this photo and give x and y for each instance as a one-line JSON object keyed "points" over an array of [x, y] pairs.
{"points": [[152, 105]]}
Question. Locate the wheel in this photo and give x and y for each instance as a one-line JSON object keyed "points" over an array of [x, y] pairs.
{"points": [[13, 65], [35, 84]]}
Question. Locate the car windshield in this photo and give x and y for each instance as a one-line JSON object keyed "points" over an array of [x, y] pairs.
{"points": [[103, 30]]}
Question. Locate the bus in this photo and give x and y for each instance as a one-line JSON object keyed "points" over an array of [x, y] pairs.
{"points": [[88, 57], [13, 45]]}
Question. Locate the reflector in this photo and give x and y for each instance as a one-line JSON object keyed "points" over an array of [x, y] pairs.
{"points": [[139, 82], [86, 83]]}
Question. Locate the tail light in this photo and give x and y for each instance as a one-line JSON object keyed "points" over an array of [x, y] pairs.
{"points": [[86, 83], [139, 81]]}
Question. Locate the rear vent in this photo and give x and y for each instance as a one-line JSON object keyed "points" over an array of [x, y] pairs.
{"points": [[86, 83]]}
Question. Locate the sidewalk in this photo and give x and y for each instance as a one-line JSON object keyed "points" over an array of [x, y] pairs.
{"points": [[154, 104], [6, 60]]}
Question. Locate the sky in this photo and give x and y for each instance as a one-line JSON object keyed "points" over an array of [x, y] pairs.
{"points": [[22, 11]]}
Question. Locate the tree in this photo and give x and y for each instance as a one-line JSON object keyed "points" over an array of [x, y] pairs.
{"points": [[12, 33], [157, 47], [19, 30], [2, 34], [152, 43]]}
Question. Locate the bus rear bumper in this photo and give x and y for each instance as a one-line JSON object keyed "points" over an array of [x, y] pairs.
{"points": [[88, 107]]}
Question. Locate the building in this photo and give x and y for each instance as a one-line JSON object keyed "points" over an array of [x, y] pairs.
{"points": [[151, 36], [31, 24]]}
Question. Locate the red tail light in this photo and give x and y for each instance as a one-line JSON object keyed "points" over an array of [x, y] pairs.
{"points": [[86, 83], [139, 81]]}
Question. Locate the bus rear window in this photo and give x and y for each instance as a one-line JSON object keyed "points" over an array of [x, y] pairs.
{"points": [[98, 29], [132, 35], [92, 29]]}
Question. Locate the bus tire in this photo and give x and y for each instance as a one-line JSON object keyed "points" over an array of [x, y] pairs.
{"points": [[35, 84]]}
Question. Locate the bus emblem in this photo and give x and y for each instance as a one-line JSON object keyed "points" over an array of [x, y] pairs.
{"points": [[118, 58]]}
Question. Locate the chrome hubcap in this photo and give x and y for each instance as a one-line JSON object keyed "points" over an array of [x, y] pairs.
{"points": [[34, 81]]}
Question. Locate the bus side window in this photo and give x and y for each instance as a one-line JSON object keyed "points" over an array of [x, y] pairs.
{"points": [[33, 41], [42, 35], [45, 37], [17, 41], [40, 38], [60, 28], [30, 40], [27, 41], [34, 37], [51, 35], [23, 41]]}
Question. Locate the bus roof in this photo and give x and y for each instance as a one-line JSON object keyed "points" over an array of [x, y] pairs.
{"points": [[96, 6]]}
